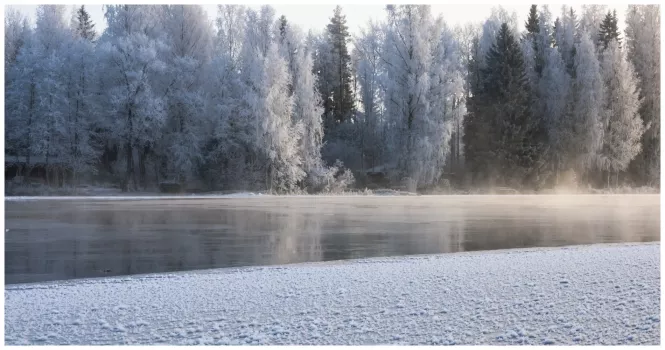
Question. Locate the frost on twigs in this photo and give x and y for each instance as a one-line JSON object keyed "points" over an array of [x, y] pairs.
{"points": [[332, 179]]}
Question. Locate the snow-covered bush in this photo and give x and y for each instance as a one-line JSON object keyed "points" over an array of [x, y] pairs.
{"points": [[330, 179]]}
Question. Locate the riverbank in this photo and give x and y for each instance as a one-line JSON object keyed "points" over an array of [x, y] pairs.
{"points": [[156, 195], [598, 294], [101, 191]]}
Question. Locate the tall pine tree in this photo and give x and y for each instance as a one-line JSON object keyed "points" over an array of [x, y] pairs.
{"points": [[341, 104], [503, 118], [84, 26], [531, 24], [609, 29]]}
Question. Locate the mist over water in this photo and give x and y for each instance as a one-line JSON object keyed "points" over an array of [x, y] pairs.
{"points": [[65, 239]]}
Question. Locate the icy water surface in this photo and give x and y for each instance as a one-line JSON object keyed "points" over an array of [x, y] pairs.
{"points": [[64, 239]]}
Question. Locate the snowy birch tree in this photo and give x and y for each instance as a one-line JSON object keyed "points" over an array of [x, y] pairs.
{"points": [[132, 62], [589, 92], [83, 111], [416, 101], [369, 73], [36, 120], [188, 37], [554, 88], [643, 44], [17, 32], [622, 125]]}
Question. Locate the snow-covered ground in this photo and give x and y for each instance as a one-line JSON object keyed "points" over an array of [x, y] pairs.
{"points": [[603, 294]]}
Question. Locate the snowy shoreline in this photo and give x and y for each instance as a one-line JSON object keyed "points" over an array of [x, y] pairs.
{"points": [[260, 195], [598, 294]]}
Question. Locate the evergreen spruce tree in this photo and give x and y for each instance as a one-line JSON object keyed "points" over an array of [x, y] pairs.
{"points": [[283, 25], [84, 26], [609, 29], [569, 39], [342, 95], [531, 24], [501, 116], [476, 147], [556, 32]]}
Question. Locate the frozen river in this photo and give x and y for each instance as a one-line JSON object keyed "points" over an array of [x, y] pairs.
{"points": [[64, 239]]}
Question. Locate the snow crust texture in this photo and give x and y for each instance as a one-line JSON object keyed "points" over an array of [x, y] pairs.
{"points": [[603, 294]]}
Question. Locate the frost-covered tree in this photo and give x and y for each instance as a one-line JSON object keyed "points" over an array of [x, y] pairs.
{"points": [[82, 24], [535, 46], [369, 74], [467, 38], [277, 138], [589, 95], [226, 133], [17, 36], [36, 95], [131, 19], [273, 138], [21, 101], [491, 27], [567, 36], [449, 78], [231, 30], [643, 44], [307, 108], [592, 17], [539, 33], [82, 111], [188, 36], [308, 111], [259, 33], [17, 32], [421, 86], [622, 125], [131, 57], [545, 36], [555, 106], [161, 94], [530, 49]]}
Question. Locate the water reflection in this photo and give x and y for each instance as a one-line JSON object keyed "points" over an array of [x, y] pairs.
{"points": [[53, 240]]}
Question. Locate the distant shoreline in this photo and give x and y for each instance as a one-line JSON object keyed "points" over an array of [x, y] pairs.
{"points": [[160, 196]]}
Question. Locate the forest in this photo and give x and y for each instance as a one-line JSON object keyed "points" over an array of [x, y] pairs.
{"points": [[252, 102]]}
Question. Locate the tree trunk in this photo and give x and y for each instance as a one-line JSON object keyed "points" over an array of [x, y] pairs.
{"points": [[130, 167], [134, 172], [142, 169], [558, 166], [157, 173]]}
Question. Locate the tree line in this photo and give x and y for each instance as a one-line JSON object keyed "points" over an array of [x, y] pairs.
{"points": [[252, 102]]}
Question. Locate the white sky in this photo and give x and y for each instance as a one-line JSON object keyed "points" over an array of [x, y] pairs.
{"points": [[316, 16]]}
